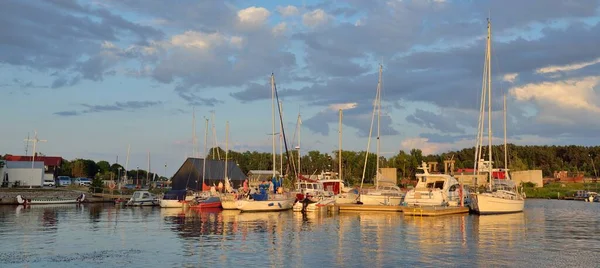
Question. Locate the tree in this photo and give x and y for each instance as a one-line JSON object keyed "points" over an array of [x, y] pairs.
{"points": [[104, 166]]}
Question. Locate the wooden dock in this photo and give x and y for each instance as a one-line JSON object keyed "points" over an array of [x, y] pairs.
{"points": [[434, 211], [355, 207], [111, 196]]}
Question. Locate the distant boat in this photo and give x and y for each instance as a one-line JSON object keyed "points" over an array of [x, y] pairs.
{"points": [[436, 190], [40, 201], [142, 198]]}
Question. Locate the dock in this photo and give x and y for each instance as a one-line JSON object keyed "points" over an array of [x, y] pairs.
{"points": [[356, 207], [434, 211], [111, 196]]}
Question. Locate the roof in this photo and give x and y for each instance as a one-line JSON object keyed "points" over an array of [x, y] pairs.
{"points": [[52, 161], [189, 175], [24, 164]]}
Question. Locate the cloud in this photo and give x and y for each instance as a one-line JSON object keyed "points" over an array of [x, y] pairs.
{"points": [[117, 106], [195, 100], [510, 77], [440, 122], [315, 18], [288, 11], [564, 68], [253, 16], [343, 106]]}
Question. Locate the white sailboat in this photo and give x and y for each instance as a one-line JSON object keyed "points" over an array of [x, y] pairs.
{"points": [[502, 195], [265, 201], [228, 199], [389, 194]]}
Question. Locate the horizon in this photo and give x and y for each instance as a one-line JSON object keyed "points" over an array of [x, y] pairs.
{"points": [[95, 77]]}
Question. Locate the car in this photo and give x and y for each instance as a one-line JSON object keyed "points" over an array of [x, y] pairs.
{"points": [[83, 181], [64, 181], [49, 183]]}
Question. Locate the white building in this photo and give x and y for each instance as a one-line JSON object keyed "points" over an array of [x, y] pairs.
{"points": [[20, 172]]}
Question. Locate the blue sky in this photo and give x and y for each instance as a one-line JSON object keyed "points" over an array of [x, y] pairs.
{"points": [[93, 77]]}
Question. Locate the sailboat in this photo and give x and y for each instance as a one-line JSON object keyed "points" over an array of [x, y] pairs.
{"points": [[228, 199], [389, 194], [501, 195], [205, 199], [264, 200]]}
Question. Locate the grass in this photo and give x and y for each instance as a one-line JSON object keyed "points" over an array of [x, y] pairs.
{"points": [[556, 190]]}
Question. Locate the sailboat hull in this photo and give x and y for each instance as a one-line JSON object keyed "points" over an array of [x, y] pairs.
{"points": [[488, 203], [267, 205]]}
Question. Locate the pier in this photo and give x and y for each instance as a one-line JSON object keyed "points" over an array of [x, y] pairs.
{"points": [[355, 207], [434, 211]]}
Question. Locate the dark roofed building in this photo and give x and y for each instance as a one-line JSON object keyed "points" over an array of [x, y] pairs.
{"points": [[189, 175], [51, 163]]}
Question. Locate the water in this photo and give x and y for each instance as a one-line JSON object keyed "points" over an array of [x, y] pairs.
{"points": [[549, 233]]}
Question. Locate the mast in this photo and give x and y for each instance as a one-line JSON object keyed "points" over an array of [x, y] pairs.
{"points": [[148, 172], [299, 127], [35, 140], [273, 118], [127, 161], [505, 145], [216, 142], [226, 150], [194, 154], [370, 133], [378, 125], [204, 158], [489, 74], [340, 147]]}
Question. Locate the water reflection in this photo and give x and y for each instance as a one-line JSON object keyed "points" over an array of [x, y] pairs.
{"points": [[547, 234]]}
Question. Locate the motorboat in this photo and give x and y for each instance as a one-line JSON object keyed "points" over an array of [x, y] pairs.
{"points": [[142, 198], [436, 190], [390, 195], [44, 201]]}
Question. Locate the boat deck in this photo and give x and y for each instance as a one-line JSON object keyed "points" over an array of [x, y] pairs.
{"points": [[434, 211], [355, 207]]}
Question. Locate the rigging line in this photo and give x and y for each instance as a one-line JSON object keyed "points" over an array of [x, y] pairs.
{"points": [[283, 131]]}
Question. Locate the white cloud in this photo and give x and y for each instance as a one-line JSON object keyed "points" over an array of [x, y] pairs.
{"points": [[203, 41], [510, 77], [253, 16], [428, 147], [571, 94], [343, 106], [108, 45], [287, 11], [569, 67], [279, 28], [315, 18]]}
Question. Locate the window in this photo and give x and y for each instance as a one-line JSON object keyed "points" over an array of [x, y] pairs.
{"points": [[146, 195]]}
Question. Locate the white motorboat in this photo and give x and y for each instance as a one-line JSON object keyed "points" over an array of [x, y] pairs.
{"points": [[142, 198], [436, 190], [265, 201], [502, 195], [44, 201]]}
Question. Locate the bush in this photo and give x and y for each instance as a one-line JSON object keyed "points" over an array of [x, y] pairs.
{"points": [[528, 184], [97, 185]]}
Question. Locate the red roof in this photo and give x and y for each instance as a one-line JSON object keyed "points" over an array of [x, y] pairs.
{"points": [[51, 161]]}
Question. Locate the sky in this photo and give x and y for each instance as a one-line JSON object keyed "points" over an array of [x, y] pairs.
{"points": [[96, 77]]}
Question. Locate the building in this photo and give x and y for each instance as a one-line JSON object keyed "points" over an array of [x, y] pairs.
{"points": [[533, 176], [51, 163], [20, 173], [189, 175]]}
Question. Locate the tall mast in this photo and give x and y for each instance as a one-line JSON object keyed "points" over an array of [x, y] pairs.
{"points": [[148, 172], [273, 118], [489, 45], [204, 157], [299, 127], [378, 125], [505, 145], [226, 150], [370, 133], [340, 147], [127, 161], [194, 149]]}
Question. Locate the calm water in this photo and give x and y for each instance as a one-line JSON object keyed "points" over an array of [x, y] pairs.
{"points": [[548, 234]]}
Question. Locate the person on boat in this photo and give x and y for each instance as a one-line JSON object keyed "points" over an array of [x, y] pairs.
{"points": [[245, 185], [220, 187]]}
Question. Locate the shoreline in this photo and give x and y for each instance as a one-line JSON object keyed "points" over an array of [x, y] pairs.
{"points": [[8, 196]]}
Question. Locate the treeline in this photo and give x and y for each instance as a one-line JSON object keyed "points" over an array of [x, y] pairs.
{"points": [[102, 169], [546, 158]]}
